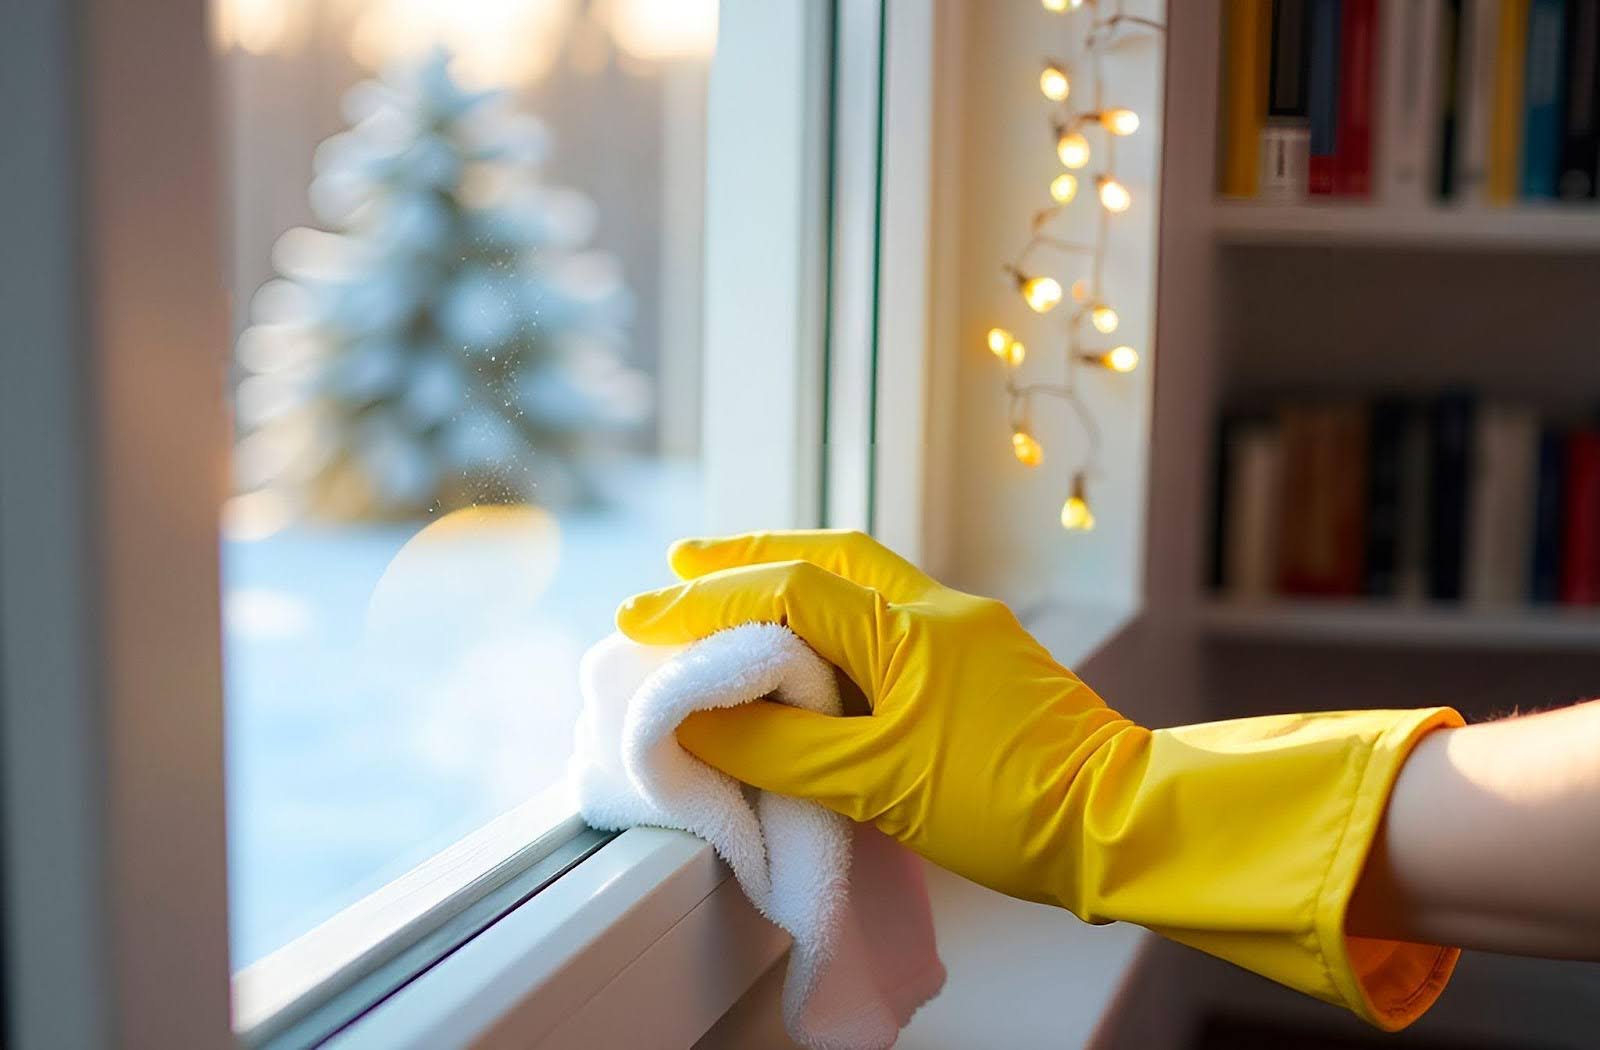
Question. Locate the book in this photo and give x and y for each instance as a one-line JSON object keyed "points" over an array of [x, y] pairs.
{"points": [[1408, 60], [1352, 176], [1385, 466], [1543, 94], [1581, 129], [1505, 124], [1322, 548], [1475, 98], [1323, 93], [1503, 501], [1247, 44], [1580, 554], [1253, 500], [1286, 135], [1450, 453], [1416, 478], [1549, 516], [1452, 27]]}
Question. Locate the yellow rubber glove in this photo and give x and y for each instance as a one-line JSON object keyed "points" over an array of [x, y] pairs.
{"points": [[1243, 838]]}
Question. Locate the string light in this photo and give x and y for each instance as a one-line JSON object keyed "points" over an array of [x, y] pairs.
{"points": [[1113, 194], [1122, 359], [1073, 149], [1027, 450], [1006, 348], [1055, 83], [1042, 294], [1120, 121], [1075, 513], [1103, 318], [1105, 31]]}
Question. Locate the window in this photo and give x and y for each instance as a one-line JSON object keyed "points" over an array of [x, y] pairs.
{"points": [[351, 602]]}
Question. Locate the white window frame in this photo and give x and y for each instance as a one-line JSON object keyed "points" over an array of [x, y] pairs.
{"points": [[112, 471]]}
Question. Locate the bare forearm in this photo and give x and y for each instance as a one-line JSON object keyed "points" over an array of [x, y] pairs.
{"points": [[1492, 840]]}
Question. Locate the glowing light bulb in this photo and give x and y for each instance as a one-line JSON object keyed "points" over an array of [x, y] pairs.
{"points": [[1075, 513], [1055, 83], [1113, 194], [1064, 187], [1041, 293], [1122, 359], [1055, 7], [1028, 451], [1104, 319], [998, 339], [1073, 149], [1120, 121], [1015, 353]]}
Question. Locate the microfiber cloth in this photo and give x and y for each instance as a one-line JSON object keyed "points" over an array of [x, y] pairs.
{"points": [[852, 899]]}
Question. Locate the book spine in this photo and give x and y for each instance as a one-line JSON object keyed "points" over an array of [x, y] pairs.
{"points": [[1549, 517], [1246, 43], [1451, 52], [1408, 52], [1349, 433], [1542, 119], [1323, 93], [1502, 506], [1581, 133], [1450, 459], [1580, 569], [1253, 510], [1222, 508], [1353, 170], [1475, 98], [1505, 129], [1288, 96], [1385, 462], [1416, 474]]}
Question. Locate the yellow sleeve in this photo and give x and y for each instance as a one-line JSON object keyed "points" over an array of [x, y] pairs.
{"points": [[1245, 839]]}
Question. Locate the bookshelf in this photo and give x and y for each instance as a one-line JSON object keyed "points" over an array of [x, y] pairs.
{"points": [[1345, 298]]}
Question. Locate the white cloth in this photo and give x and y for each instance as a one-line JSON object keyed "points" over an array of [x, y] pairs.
{"points": [[852, 899]]}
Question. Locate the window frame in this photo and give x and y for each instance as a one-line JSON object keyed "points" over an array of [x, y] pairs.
{"points": [[127, 944]]}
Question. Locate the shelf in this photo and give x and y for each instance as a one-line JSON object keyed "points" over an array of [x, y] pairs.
{"points": [[1381, 623], [1552, 228]]}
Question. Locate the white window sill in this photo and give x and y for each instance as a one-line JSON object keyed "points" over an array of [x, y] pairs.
{"points": [[649, 942]]}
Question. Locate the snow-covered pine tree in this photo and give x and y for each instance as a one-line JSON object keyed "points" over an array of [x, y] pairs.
{"points": [[451, 342]]}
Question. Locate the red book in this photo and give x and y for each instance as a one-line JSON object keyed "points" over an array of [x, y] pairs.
{"points": [[1580, 563], [1322, 546], [1352, 164]]}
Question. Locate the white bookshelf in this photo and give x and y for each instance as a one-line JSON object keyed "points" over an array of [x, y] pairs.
{"points": [[1518, 228], [1392, 624]]}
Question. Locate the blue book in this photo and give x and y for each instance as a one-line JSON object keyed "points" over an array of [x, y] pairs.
{"points": [[1544, 91], [1549, 514], [1323, 91]]}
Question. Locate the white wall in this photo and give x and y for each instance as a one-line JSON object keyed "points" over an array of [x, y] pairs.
{"points": [[1004, 535]]}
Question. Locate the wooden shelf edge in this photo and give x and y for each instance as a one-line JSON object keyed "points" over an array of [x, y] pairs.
{"points": [[1553, 227], [1382, 623]]}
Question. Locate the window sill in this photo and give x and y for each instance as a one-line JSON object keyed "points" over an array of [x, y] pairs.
{"points": [[650, 941]]}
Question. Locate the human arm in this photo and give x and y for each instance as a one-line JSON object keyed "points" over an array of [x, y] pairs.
{"points": [[1492, 840]]}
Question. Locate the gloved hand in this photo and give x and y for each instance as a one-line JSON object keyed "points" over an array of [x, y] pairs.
{"points": [[1243, 838]]}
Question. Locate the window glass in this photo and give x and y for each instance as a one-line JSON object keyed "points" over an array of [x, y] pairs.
{"points": [[466, 279]]}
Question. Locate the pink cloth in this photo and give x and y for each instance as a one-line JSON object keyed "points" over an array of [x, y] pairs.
{"points": [[852, 899]]}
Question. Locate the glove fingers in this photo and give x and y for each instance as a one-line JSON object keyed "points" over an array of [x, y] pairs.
{"points": [[841, 620], [853, 555], [785, 749]]}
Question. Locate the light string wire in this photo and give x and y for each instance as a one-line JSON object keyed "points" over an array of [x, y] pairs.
{"points": [[1107, 30]]}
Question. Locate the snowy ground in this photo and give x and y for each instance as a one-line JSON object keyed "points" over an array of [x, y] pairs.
{"points": [[390, 692]]}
